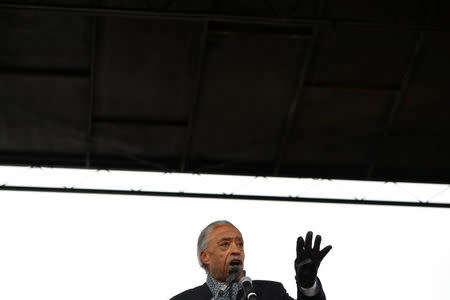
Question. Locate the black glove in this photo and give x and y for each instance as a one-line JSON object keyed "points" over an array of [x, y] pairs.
{"points": [[308, 260]]}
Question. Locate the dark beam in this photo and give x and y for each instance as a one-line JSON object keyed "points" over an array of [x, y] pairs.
{"points": [[301, 79], [201, 17], [195, 97], [37, 72], [255, 30], [223, 196], [373, 156], [93, 54], [138, 122], [353, 87], [263, 35], [393, 111], [282, 145]]}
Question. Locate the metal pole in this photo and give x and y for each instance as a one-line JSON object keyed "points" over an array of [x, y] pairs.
{"points": [[221, 196]]}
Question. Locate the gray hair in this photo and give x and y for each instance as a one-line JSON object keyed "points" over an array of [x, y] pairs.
{"points": [[203, 240]]}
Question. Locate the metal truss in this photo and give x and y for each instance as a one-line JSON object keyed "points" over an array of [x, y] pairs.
{"points": [[322, 22], [221, 196]]}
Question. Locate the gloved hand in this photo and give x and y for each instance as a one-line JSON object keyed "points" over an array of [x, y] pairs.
{"points": [[308, 260]]}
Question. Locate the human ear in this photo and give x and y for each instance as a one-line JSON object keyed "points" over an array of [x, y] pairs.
{"points": [[204, 257]]}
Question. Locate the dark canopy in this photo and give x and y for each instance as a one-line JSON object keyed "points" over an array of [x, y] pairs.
{"points": [[331, 89]]}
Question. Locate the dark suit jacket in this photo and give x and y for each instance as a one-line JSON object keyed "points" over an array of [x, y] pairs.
{"points": [[266, 290]]}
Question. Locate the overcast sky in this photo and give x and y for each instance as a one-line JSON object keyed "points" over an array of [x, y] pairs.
{"points": [[83, 246]]}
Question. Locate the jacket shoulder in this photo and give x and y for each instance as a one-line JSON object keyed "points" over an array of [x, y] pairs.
{"points": [[268, 283], [270, 289], [198, 292]]}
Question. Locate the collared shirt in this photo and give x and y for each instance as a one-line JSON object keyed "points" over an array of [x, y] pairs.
{"points": [[215, 287]]}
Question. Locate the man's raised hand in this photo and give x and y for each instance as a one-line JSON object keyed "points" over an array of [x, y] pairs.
{"points": [[308, 259]]}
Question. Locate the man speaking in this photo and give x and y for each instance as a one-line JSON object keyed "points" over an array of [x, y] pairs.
{"points": [[220, 251]]}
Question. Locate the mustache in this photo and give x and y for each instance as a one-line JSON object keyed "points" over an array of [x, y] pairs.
{"points": [[235, 259]]}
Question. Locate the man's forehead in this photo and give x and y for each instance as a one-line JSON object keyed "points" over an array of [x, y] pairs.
{"points": [[225, 231]]}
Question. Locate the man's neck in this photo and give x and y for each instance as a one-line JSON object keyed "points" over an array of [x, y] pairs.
{"points": [[216, 286]]}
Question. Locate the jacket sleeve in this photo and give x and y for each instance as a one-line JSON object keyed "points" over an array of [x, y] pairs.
{"points": [[319, 296]]}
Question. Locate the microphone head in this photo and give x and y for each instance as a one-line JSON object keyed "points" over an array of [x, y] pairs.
{"points": [[245, 281]]}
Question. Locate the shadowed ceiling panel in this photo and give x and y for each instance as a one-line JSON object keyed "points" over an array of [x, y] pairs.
{"points": [[405, 151], [139, 141], [144, 69], [43, 114], [427, 100], [38, 42], [441, 13], [344, 111], [245, 96], [380, 10], [329, 148], [353, 56], [332, 121]]}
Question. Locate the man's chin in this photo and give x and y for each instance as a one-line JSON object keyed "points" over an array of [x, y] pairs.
{"points": [[237, 269]]}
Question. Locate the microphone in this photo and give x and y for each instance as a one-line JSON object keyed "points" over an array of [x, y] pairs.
{"points": [[247, 285]]}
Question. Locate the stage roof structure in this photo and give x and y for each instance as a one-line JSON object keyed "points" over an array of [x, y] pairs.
{"points": [[322, 89]]}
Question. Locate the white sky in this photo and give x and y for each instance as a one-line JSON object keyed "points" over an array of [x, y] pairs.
{"points": [[83, 246]]}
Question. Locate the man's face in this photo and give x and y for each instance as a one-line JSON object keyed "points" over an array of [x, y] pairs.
{"points": [[224, 250]]}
